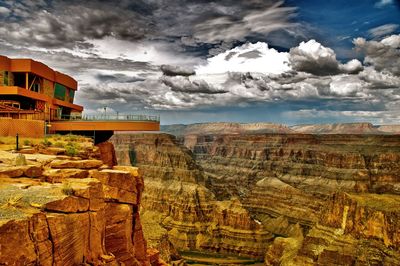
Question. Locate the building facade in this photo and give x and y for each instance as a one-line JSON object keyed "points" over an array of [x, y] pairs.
{"points": [[31, 90]]}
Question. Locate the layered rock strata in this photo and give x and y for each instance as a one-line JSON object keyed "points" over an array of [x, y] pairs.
{"points": [[71, 212], [354, 229], [177, 198], [270, 188]]}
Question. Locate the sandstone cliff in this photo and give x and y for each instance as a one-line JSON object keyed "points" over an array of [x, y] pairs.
{"points": [[340, 128], [354, 229], [184, 209], [70, 211]]}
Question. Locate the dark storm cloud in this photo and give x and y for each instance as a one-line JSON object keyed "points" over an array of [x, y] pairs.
{"points": [[184, 84], [121, 78], [169, 70], [191, 25], [65, 24]]}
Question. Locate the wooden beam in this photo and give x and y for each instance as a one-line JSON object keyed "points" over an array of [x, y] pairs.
{"points": [[26, 80], [33, 81]]}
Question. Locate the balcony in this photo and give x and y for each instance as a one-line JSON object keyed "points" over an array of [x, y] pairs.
{"points": [[118, 122]]}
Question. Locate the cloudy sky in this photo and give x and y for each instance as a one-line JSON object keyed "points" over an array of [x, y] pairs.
{"points": [[294, 61]]}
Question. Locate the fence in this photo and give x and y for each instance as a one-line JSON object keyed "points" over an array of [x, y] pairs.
{"points": [[119, 117], [22, 127]]}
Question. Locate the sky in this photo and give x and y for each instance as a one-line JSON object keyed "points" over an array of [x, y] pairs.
{"points": [[290, 62]]}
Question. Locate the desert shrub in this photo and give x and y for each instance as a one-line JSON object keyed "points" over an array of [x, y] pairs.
{"points": [[71, 137], [59, 144], [13, 201], [56, 137], [47, 143], [71, 149], [67, 189]]}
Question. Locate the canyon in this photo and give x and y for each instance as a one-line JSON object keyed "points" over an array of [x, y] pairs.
{"points": [[262, 195], [280, 197]]}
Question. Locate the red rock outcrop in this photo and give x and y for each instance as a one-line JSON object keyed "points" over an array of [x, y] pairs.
{"points": [[74, 220]]}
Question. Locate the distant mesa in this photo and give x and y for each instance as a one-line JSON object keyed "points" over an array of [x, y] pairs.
{"points": [[262, 128]]}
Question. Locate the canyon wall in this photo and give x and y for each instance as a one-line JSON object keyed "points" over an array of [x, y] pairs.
{"points": [[274, 189], [59, 210], [177, 198]]}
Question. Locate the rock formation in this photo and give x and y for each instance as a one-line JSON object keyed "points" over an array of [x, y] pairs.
{"points": [[268, 194], [221, 128], [340, 128], [180, 205], [71, 211], [224, 128]]}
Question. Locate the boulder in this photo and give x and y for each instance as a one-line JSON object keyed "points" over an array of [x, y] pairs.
{"points": [[12, 171], [57, 175]]}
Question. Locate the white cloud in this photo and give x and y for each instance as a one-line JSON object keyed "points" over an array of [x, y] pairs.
{"points": [[383, 30], [384, 55], [353, 66], [346, 85], [143, 51], [392, 41], [230, 28], [4, 11], [257, 57], [313, 57], [376, 117], [383, 3]]}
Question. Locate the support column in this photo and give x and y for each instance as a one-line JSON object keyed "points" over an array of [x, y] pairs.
{"points": [[26, 80]]}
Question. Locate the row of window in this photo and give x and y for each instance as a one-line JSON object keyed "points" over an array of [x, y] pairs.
{"points": [[60, 91]]}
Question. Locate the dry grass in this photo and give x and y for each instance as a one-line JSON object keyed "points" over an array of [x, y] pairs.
{"points": [[13, 201], [9, 143]]}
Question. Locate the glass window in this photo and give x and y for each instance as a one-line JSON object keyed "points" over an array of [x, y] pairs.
{"points": [[59, 92]]}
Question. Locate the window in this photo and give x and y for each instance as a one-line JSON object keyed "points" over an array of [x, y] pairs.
{"points": [[59, 92], [6, 78], [71, 95], [36, 87]]}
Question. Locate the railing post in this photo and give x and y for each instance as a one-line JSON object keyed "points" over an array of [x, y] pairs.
{"points": [[17, 142]]}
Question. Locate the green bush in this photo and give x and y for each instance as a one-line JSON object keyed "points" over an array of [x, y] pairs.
{"points": [[71, 149], [27, 143], [47, 143], [59, 144], [71, 137], [56, 136]]}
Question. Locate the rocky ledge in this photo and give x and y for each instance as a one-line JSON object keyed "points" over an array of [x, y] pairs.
{"points": [[70, 211]]}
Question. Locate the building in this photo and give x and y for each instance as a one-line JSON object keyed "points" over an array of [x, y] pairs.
{"points": [[35, 100]]}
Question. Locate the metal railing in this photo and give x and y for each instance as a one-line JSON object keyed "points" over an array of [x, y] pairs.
{"points": [[119, 117]]}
